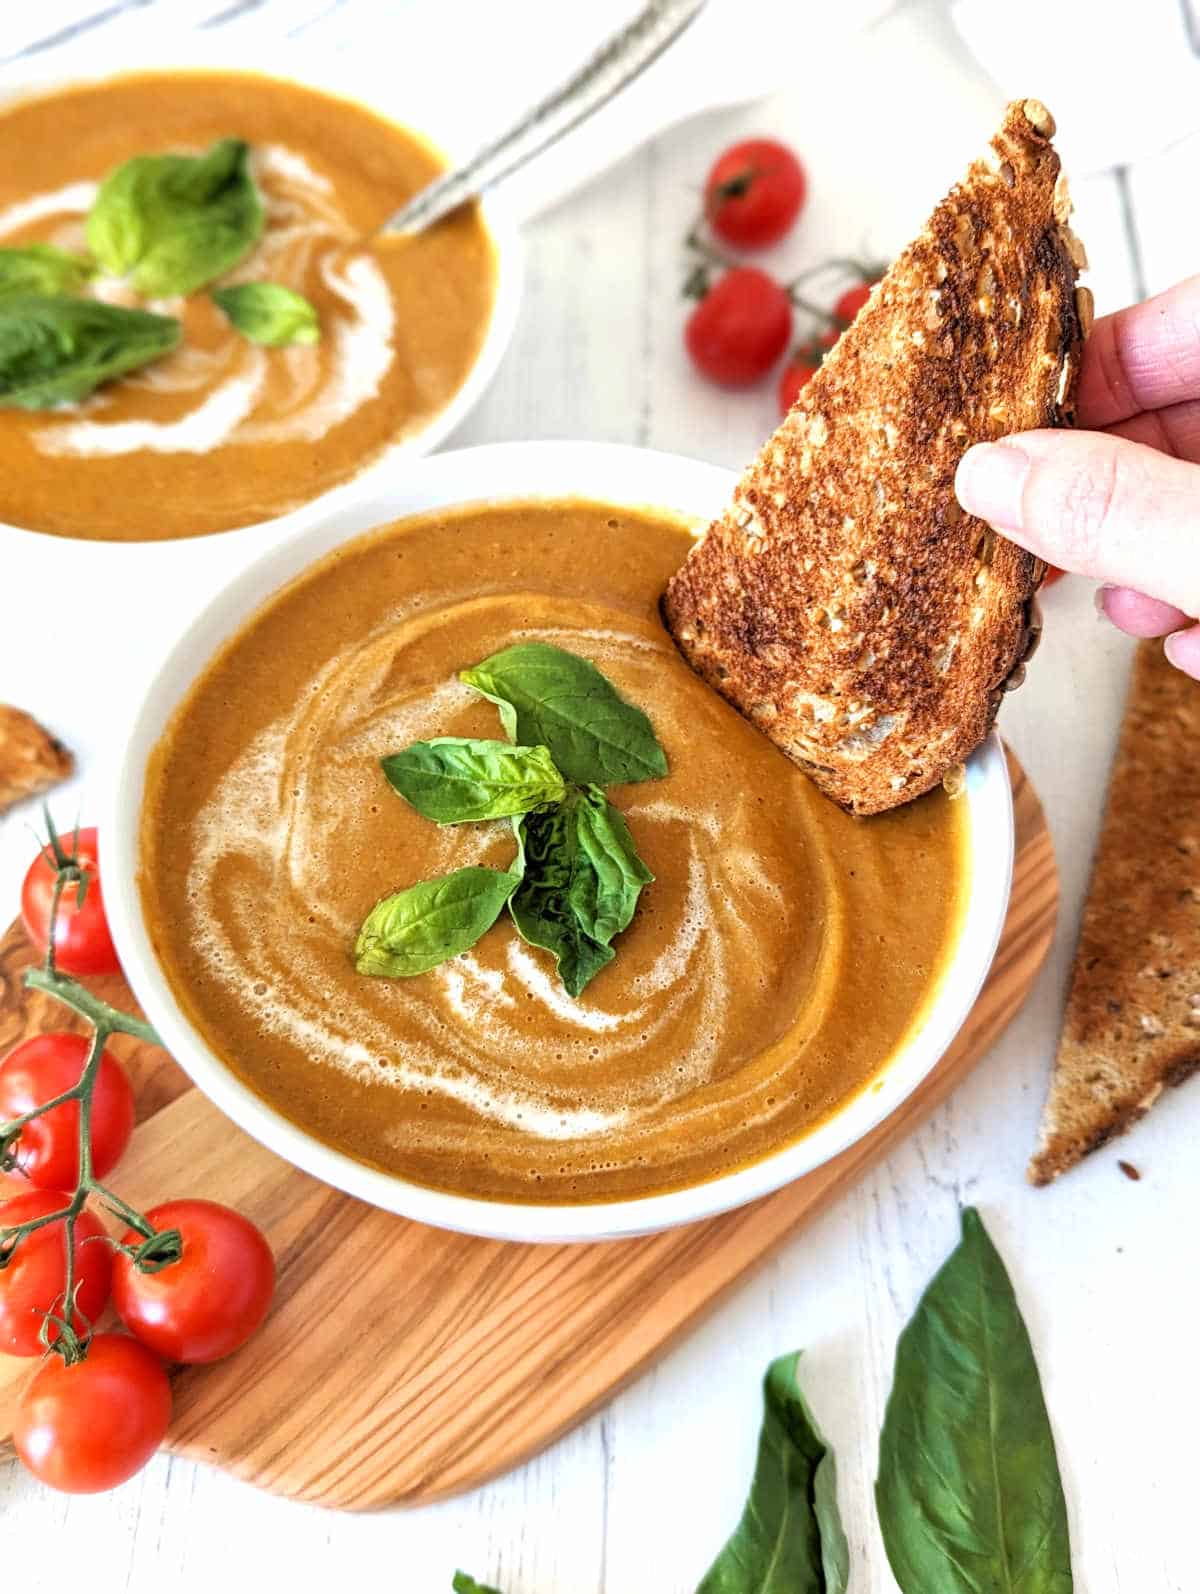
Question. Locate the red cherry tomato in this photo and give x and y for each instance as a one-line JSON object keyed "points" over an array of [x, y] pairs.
{"points": [[1053, 574], [82, 943], [91, 1426], [32, 1283], [47, 1152], [206, 1304], [740, 328], [851, 302], [802, 367], [795, 376], [754, 193]]}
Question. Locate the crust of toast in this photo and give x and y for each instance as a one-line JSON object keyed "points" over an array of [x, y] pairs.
{"points": [[31, 760], [844, 602], [1132, 1023]]}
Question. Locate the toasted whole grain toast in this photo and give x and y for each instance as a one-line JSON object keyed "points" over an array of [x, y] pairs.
{"points": [[1132, 1023], [844, 602], [31, 760]]}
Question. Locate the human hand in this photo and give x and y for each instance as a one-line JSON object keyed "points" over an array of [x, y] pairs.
{"points": [[1119, 502]]}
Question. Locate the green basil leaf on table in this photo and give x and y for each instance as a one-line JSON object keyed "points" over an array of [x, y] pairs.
{"points": [[269, 313], [555, 699], [56, 350], [969, 1495], [465, 1584], [541, 906], [790, 1538], [41, 268], [454, 779], [172, 223], [609, 875], [416, 929]]}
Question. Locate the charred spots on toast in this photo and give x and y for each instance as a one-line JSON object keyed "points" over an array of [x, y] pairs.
{"points": [[847, 588]]}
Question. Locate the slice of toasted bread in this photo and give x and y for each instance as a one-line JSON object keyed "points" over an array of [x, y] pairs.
{"points": [[31, 760], [1132, 1023], [844, 602]]}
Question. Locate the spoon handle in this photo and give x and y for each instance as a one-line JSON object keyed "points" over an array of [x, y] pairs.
{"points": [[615, 64]]}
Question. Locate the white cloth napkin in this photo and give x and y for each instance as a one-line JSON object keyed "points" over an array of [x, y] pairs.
{"points": [[1122, 77]]}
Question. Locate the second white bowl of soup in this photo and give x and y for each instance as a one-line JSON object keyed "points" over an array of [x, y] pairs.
{"points": [[222, 433], [791, 973]]}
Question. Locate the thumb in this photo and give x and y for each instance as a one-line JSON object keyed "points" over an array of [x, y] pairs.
{"points": [[1096, 504]]}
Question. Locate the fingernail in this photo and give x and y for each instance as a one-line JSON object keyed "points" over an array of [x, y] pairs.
{"points": [[1183, 650], [990, 481]]}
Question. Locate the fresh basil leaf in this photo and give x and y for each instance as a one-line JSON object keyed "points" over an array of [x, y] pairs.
{"points": [[541, 905], [171, 223], [41, 268], [968, 1494], [790, 1538], [415, 930], [609, 875], [465, 1584], [555, 699], [269, 313], [454, 780], [55, 350]]}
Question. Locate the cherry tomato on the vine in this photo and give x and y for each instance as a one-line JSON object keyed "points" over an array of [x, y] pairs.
{"points": [[32, 1283], [208, 1302], [47, 1152], [851, 302], [82, 943], [754, 193], [740, 328], [799, 372], [91, 1426]]}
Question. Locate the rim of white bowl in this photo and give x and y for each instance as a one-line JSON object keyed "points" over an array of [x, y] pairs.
{"points": [[611, 473], [502, 225]]}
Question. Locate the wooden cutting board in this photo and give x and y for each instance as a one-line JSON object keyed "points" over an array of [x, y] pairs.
{"points": [[401, 1363]]}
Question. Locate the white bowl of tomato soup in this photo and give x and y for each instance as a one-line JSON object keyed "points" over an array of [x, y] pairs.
{"points": [[791, 975], [220, 435]]}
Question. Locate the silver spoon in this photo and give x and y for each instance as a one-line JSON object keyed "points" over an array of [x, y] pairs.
{"points": [[616, 63]]}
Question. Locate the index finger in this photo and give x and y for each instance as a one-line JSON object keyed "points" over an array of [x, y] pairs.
{"points": [[1142, 358]]}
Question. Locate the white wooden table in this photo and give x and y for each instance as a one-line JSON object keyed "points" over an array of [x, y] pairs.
{"points": [[637, 1500]]}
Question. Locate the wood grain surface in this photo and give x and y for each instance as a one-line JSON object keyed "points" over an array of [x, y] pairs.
{"points": [[401, 1363]]}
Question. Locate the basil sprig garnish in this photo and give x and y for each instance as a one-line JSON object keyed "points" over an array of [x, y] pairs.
{"points": [[454, 780], [577, 877], [56, 350], [790, 1538], [969, 1494], [465, 1584], [269, 313], [555, 699], [41, 268], [172, 223], [415, 930], [581, 880]]}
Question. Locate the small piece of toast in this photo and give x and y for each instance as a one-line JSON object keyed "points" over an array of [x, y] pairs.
{"points": [[1132, 1023], [844, 602], [31, 760]]}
